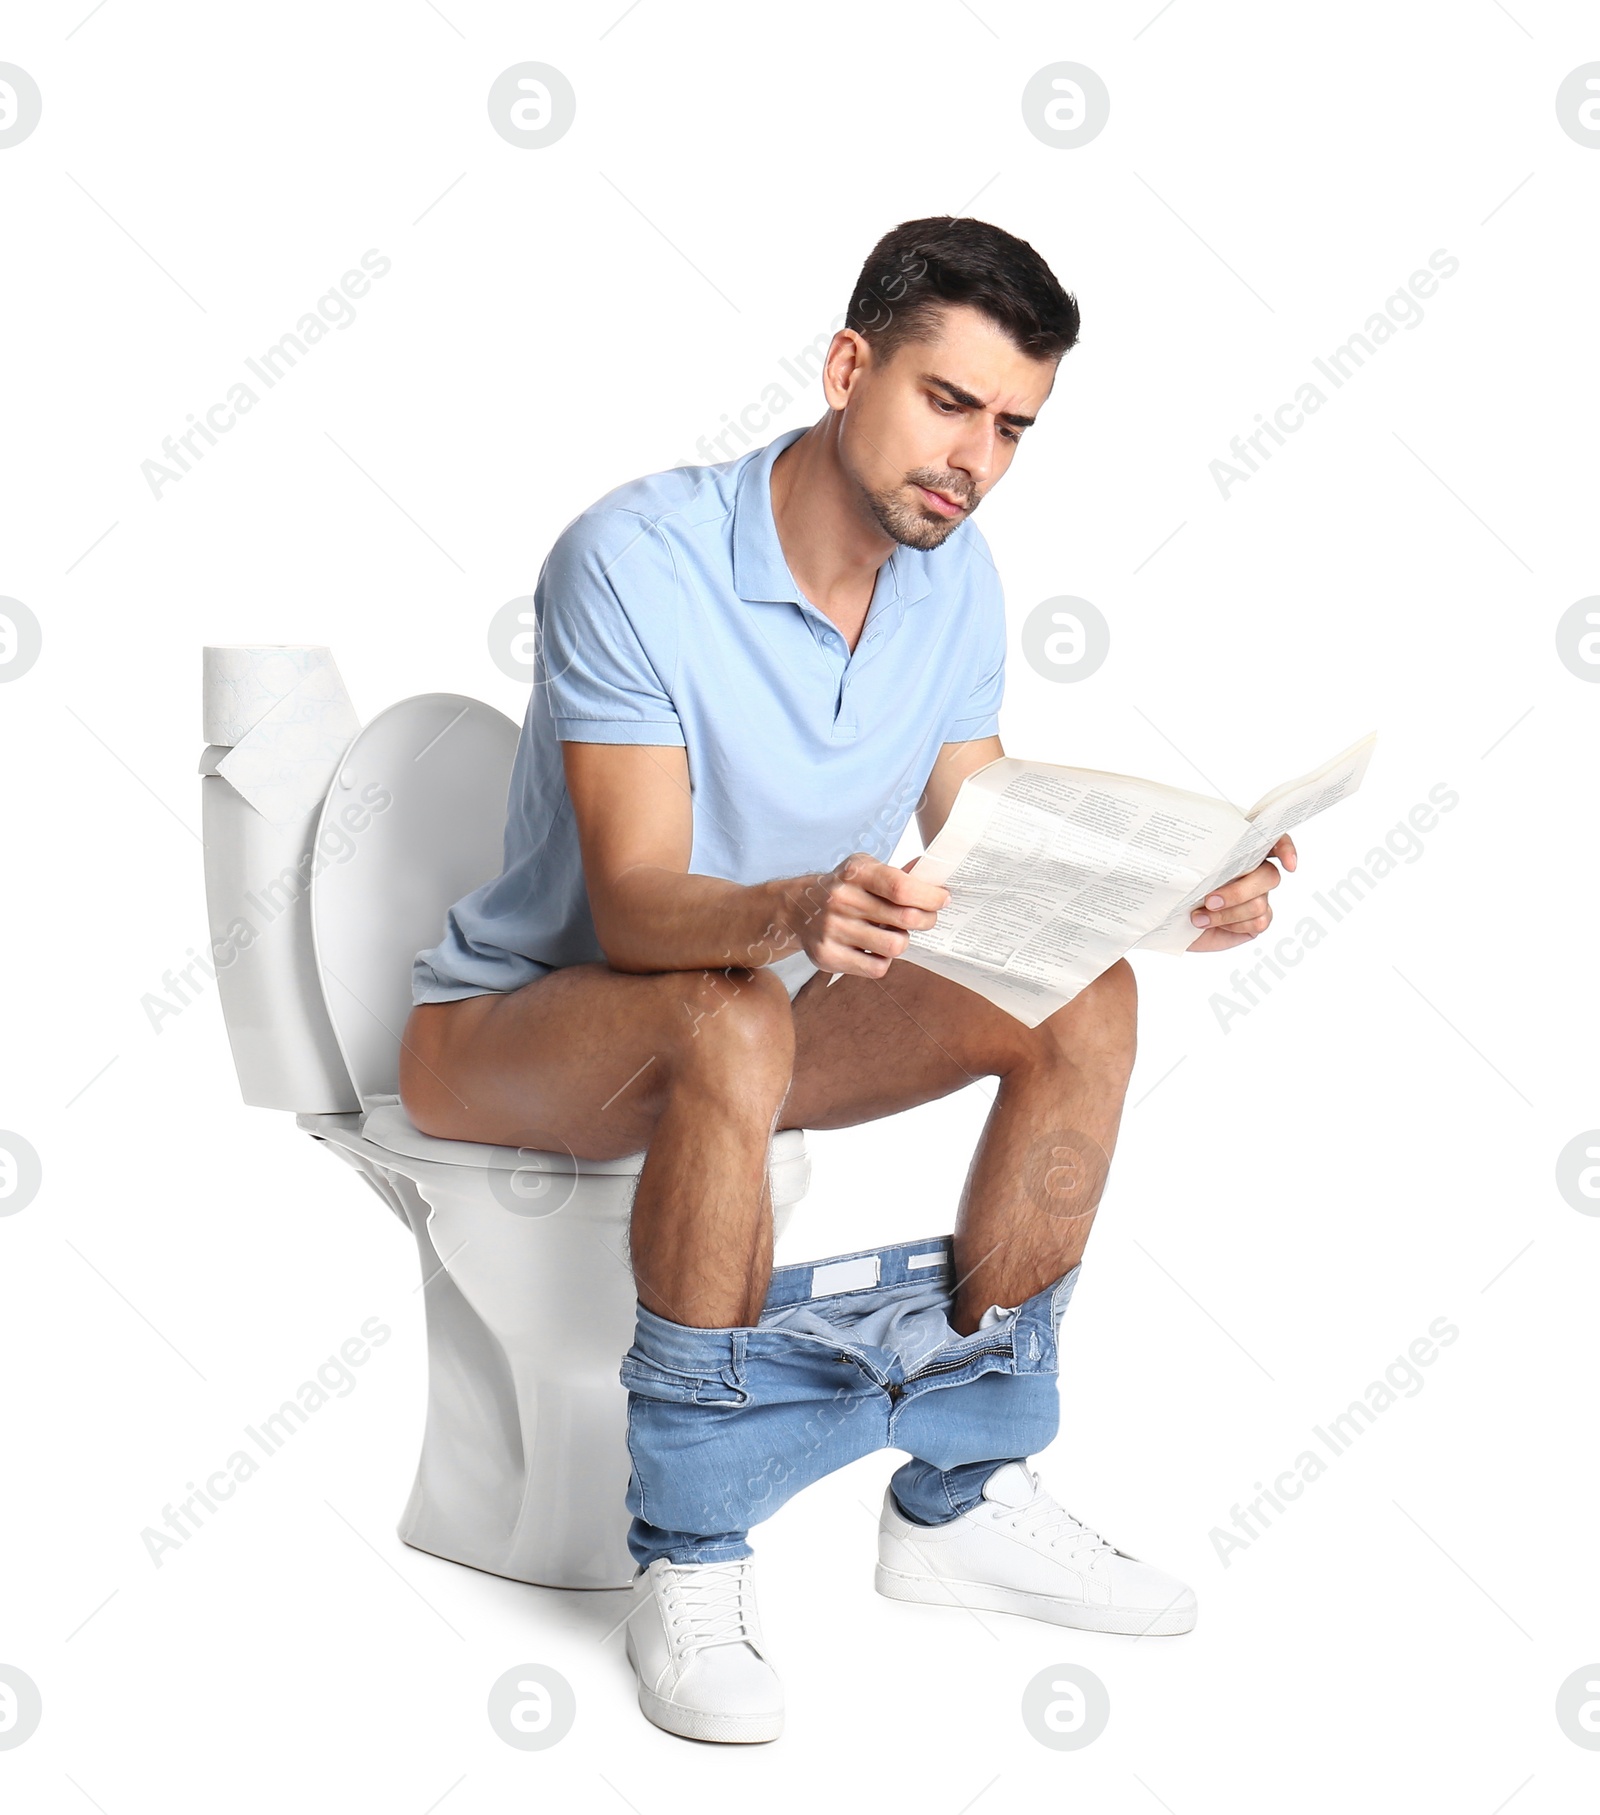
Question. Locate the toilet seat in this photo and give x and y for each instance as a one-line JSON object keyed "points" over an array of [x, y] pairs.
{"points": [[387, 1125]]}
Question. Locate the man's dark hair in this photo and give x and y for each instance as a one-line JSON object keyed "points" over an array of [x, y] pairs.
{"points": [[920, 266]]}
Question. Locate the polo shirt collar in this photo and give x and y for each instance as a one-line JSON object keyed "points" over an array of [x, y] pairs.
{"points": [[759, 570]]}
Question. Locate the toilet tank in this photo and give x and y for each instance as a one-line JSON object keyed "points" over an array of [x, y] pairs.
{"points": [[258, 902]]}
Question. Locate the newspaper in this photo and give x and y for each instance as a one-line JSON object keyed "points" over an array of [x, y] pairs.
{"points": [[1054, 873]]}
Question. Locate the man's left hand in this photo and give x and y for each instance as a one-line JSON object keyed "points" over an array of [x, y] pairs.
{"points": [[1239, 910]]}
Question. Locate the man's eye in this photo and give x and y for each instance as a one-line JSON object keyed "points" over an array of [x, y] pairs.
{"points": [[945, 406]]}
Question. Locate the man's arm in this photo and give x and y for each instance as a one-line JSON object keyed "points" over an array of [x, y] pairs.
{"points": [[635, 834], [952, 766]]}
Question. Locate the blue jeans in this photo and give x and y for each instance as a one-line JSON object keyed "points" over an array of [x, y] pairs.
{"points": [[850, 1355]]}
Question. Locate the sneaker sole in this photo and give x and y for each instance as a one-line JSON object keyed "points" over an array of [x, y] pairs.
{"points": [[936, 1591], [700, 1723]]}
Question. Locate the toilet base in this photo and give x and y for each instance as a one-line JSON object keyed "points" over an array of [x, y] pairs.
{"points": [[487, 1568], [524, 1466]]}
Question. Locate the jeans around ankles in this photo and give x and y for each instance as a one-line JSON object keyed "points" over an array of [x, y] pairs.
{"points": [[850, 1355]]}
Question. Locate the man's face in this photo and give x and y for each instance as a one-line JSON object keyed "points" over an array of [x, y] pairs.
{"points": [[939, 421]]}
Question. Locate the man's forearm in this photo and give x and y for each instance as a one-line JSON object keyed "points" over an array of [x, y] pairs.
{"points": [[663, 920]]}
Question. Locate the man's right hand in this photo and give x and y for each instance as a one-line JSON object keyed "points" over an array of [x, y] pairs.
{"points": [[855, 918]]}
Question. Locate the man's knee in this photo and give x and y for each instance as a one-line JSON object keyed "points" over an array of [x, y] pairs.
{"points": [[1117, 991], [731, 1027], [1100, 1024]]}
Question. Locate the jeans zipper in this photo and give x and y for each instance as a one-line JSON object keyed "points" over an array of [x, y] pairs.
{"points": [[950, 1366], [847, 1352]]}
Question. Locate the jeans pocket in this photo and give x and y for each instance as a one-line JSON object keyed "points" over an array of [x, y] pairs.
{"points": [[650, 1380]]}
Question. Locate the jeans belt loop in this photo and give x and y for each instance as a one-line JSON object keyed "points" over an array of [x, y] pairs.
{"points": [[734, 1372]]}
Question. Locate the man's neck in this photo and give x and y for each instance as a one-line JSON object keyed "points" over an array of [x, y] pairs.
{"points": [[832, 544]]}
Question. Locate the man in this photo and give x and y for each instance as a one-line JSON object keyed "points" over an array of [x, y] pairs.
{"points": [[748, 676]]}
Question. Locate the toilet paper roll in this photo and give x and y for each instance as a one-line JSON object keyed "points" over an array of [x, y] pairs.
{"points": [[284, 711]]}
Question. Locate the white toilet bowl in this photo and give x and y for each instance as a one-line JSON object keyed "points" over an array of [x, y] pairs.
{"points": [[530, 1301], [530, 1306]]}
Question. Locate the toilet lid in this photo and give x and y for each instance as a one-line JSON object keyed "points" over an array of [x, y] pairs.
{"points": [[413, 821]]}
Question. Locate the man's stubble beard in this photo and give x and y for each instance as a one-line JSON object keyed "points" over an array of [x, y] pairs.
{"points": [[910, 523]]}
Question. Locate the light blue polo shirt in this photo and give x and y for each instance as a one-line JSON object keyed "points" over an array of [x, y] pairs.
{"points": [[667, 615]]}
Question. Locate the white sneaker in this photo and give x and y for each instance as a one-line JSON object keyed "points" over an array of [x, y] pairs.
{"points": [[1022, 1552], [694, 1640]]}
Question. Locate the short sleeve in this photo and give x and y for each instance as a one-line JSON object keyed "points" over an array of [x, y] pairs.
{"points": [[978, 713], [606, 604]]}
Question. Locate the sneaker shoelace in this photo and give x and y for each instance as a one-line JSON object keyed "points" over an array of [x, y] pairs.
{"points": [[1046, 1517], [711, 1604]]}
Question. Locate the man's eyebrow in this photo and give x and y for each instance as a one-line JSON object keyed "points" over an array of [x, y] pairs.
{"points": [[957, 395]]}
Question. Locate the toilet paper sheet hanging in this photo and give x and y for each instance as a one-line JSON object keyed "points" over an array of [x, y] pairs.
{"points": [[282, 712]]}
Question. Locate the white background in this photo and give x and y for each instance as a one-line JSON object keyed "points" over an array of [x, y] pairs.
{"points": [[1294, 1199]]}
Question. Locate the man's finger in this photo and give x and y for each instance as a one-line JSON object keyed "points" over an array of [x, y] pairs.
{"points": [[1264, 876], [857, 953], [891, 884], [1256, 908], [1252, 886], [1243, 888], [1220, 939], [864, 906]]}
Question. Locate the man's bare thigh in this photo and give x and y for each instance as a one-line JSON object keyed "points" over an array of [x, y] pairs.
{"points": [[867, 1047], [572, 1060]]}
